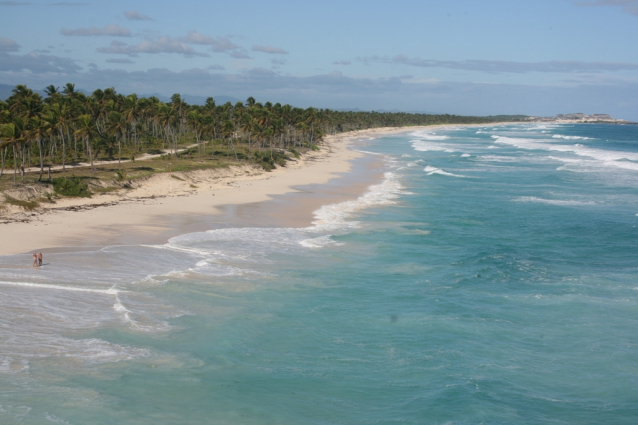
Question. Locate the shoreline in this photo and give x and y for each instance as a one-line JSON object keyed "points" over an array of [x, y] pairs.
{"points": [[163, 207]]}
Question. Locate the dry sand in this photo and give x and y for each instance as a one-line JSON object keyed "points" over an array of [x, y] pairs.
{"points": [[162, 207]]}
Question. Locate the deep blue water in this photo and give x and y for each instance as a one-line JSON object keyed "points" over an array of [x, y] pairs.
{"points": [[491, 278]]}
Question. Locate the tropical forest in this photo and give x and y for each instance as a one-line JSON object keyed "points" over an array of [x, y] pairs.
{"points": [[64, 137]]}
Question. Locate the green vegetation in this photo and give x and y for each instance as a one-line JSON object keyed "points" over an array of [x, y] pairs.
{"points": [[268, 159], [68, 127], [107, 189], [120, 175], [71, 186], [27, 205]]}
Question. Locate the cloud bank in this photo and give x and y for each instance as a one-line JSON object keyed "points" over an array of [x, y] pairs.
{"points": [[161, 45], [108, 30], [498, 67]]}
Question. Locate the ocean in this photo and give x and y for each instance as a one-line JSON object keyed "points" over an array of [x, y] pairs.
{"points": [[490, 277]]}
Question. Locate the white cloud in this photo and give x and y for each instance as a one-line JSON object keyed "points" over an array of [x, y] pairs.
{"points": [[223, 44], [342, 63], [269, 49], [8, 45], [161, 45], [119, 60], [133, 15], [194, 37], [109, 30]]}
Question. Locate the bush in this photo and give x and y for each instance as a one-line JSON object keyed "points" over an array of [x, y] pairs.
{"points": [[294, 152], [120, 174], [71, 186], [268, 160]]}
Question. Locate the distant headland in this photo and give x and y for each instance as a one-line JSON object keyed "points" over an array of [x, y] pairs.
{"points": [[580, 118]]}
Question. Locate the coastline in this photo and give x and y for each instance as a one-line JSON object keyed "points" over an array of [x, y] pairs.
{"points": [[163, 207]]}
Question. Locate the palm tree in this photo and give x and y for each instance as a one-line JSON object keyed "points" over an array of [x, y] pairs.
{"points": [[118, 124], [11, 133], [86, 130]]}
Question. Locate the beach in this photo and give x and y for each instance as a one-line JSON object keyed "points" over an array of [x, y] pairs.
{"points": [[162, 206]]}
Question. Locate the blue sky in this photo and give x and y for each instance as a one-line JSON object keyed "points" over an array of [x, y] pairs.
{"points": [[538, 57]]}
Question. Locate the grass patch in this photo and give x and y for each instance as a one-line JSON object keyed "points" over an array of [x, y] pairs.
{"points": [[294, 152], [71, 186], [27, 205], [177, 178], [194, 187]]}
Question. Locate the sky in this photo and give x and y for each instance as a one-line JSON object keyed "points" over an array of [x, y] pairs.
{"points": [[469, 57]]}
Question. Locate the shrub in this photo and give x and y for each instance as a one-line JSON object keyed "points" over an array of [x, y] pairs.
{"points": [[120, 174], [268, 160], [71, 186]]}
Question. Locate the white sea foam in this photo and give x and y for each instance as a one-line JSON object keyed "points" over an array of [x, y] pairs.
{"points": [[320, 242], [424, 146], [110, 291], [560, 136], [559, 202], [607, 158], [332, 217], [433, 170], [466, 155], [427, 135], [367, 152]]}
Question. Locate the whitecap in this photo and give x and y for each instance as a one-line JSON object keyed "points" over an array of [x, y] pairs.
{"points": [[559, 202], [433, 170], [560, 136], [320, 242]]}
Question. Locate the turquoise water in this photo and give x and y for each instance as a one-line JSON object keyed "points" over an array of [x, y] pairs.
{"points": [[490, 278]]}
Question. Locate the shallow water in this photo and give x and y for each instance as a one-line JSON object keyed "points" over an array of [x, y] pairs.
{"points": [[491, 277]]}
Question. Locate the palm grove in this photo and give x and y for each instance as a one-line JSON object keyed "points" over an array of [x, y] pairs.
{"points": [[67, 127]]}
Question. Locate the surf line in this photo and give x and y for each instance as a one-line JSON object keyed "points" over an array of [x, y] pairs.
{"points": [[111, 291]]}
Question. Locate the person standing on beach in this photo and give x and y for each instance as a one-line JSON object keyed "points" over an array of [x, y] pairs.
{"points": [[35, 260], [40, 259]]}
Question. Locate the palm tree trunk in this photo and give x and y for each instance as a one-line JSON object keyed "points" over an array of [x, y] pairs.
{"points": [[233, 146], [88, 146], [4, 154], [63, 151], [41, 161], [22, 161], [15, 166]]}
